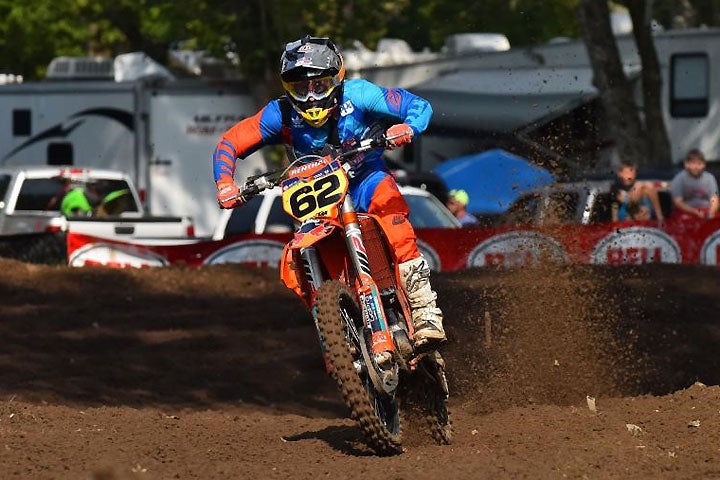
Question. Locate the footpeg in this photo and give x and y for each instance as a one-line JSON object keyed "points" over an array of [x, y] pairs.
{"points": [[383, 359]]}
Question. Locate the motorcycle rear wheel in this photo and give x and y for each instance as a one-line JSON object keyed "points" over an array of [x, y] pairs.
{"points": [[436, 394], [340, 324]]}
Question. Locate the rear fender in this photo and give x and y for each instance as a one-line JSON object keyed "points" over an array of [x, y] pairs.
{"points": [[382, 258]]}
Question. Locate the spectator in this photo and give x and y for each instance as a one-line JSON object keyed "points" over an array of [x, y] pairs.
{"points": [[116, 202], [457, 203], [640, 211], [628, 191], [75, 203], [695, 191]]}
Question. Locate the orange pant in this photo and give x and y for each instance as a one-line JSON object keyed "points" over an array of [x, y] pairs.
{"points": [[388, 203]]}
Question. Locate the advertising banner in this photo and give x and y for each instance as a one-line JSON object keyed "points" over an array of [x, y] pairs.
{"points": [[446, 249]]}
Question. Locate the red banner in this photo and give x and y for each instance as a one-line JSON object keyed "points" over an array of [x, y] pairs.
{"points": [[680, 241]]}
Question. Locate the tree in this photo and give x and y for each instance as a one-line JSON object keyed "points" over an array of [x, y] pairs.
{"points": [[34, 32], [658, 143], [643, 141], [610, 80], [426, 23]]}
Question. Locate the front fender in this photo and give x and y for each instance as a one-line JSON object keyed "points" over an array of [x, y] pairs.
{"points": [[293, 276], [313, 231]]}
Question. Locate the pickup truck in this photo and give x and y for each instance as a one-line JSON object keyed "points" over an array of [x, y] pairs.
{"points": [[587, 203], [264, 214], [31, 199]]}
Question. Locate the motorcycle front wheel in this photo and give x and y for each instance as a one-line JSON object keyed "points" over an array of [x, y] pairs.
{"points": [[340, 324]]}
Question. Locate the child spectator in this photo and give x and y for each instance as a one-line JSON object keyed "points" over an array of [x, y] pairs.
{"points": [[628, 191], [457, 204], [640, 212], [695, 191]]}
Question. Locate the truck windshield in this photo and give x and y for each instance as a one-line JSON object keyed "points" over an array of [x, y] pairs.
{"points": [[426, 212], [105, 196], [4, 183], [242, 220]]}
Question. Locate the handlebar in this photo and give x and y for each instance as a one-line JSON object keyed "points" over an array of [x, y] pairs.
{"points": [[257, 183], [365, 145]]}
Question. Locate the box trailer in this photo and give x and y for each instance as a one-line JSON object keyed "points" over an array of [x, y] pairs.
{"points": [[503, 98], [160, 132]]}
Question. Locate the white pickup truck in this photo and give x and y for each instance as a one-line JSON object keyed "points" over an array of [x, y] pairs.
{"points": [[32, 201], [264, 213]]}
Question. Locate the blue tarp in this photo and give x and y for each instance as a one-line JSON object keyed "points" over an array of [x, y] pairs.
{"points": [[493, 179]]}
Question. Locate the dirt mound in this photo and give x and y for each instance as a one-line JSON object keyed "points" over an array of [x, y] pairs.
{"points": [[133, 373], [553, 335]]}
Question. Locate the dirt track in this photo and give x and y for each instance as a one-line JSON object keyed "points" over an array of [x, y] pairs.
{"points": [[215, 373]]}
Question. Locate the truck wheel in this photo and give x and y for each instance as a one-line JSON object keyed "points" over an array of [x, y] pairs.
{"points": [[46, 249]]}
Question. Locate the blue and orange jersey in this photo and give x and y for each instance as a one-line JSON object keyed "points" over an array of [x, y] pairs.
{"points": [[363, 104]]}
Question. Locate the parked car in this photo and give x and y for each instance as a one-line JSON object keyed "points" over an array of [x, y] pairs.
{"points": [[586, 202], [264, 214], [430, 181]]}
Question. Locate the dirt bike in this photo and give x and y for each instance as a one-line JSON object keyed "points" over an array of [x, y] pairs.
{"points": [[339, 262]]}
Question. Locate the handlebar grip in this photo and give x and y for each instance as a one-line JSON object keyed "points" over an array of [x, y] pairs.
{"points": [[255, 185], [249, 190], [374, 142]]}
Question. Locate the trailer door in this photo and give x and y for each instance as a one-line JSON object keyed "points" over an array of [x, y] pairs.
{"points": [[185, 124]]}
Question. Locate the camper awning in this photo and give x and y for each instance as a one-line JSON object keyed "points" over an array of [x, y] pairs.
{"points": [[504, 100]]}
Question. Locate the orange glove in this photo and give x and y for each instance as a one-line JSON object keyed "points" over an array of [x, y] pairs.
{"points": [[399, 135], [228, 195]]}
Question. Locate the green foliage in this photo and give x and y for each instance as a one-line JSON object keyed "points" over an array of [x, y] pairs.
{"points": [[32, 32], [427, 23], [364, 20]]}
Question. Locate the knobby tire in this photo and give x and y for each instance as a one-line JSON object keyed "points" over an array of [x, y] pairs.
{"points": [[438, 413], [331, 327]]}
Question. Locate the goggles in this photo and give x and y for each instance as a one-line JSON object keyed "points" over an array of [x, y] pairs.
{"points": [[317, 88]]}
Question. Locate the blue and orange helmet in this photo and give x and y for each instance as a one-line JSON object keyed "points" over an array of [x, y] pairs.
{"points": [[312, 72]]}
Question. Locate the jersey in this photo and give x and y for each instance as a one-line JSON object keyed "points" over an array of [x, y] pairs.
{"points": [[695, 191], [361, 106]]}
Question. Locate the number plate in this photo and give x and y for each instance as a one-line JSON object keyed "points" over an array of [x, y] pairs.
{"points": [[316, 195]]}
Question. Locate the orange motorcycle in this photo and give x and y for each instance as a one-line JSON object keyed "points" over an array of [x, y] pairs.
{"points": [[339, 262]]}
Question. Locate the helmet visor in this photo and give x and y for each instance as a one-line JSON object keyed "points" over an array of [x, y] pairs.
{"points": [[317, 88]]}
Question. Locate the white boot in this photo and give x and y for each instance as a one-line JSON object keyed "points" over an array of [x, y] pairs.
{"points": [[427, 317]]}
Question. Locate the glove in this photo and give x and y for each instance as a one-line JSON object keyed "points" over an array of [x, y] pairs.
{"points": [[228, 195], [399, 135]]}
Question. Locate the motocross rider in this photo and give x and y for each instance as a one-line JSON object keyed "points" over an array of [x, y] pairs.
{"points": [[321, 108]]}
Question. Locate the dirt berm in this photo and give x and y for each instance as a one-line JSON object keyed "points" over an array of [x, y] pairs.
{"points": [[215, 373]]}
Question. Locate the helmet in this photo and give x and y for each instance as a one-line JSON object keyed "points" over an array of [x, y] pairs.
{"points": [[460, 196], [75, 203], [312, 72], [116, 202]]}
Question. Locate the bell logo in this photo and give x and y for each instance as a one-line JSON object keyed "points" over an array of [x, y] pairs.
{"points": [[710, 251], [431, 256], [636, 246], [115, 256], [254, 253], [517, 249]]}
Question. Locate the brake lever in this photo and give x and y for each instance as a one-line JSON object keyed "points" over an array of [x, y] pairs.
{"points": [[271, 174], [249, 190], [255, 184]]}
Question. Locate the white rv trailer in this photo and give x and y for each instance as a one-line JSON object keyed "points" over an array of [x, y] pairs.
{"points": [[160, 132], [514, 91]]}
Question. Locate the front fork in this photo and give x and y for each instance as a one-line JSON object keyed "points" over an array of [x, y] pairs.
{"points": [[370, 300]]}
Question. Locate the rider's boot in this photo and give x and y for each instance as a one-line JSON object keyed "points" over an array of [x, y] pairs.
{"points": [[383, 359], [427, 317]]}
